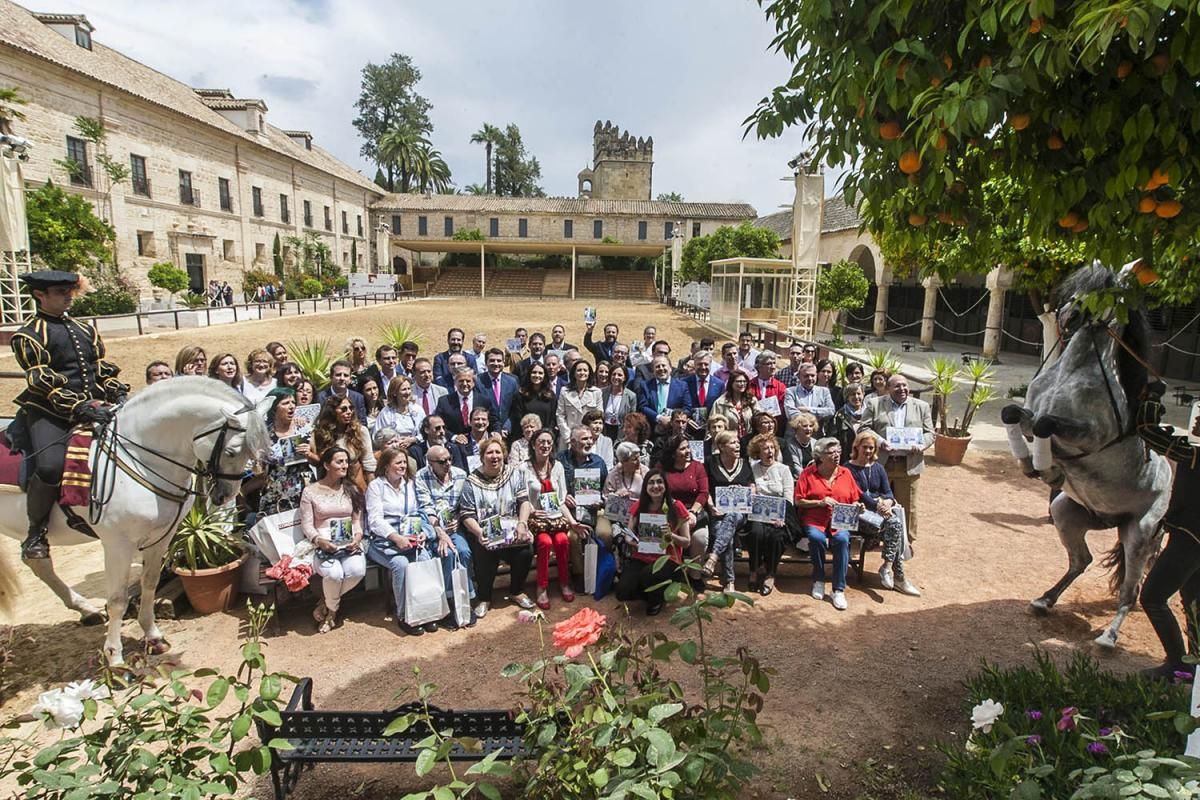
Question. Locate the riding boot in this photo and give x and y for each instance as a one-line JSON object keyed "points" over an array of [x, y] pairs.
{"points": [[39, 502]]}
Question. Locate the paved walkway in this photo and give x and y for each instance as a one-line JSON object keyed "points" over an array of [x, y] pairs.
{"points": [[1013, 370]]}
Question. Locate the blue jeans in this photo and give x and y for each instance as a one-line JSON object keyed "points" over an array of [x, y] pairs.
{"points": [[725, 529], [464, 557], [397, 562], [839, 542]]}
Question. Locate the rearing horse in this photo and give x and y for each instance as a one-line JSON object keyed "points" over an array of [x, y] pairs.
{"points": [[1080, 415], [159, 442]]}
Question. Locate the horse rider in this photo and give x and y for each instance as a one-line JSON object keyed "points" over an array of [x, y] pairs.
{"points": [[69, 383], [1177, 568]]}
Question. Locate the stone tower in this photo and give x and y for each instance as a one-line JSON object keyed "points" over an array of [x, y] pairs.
{"points": [[622, 168]]}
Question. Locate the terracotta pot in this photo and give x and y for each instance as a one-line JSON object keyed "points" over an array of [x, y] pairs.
{"points": [[950, 450], [212, 590]]}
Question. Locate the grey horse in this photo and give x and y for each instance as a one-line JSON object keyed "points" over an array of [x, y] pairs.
{"points": [[1076, 432]]}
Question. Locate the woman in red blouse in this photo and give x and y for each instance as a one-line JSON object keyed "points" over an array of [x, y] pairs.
{"points": [[688, 481], [639, 575], [822, 485]]}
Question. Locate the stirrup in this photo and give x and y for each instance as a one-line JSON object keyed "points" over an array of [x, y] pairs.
{"points": [[35, 545]]}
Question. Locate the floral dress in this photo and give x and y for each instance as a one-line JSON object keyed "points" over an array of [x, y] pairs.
{"points": [[285, 481]]}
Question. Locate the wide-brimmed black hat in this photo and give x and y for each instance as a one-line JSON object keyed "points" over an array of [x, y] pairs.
{"points": [[44, 279]]}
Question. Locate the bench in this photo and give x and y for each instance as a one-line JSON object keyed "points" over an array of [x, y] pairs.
{"points": [[357, 736], [859, 547]]}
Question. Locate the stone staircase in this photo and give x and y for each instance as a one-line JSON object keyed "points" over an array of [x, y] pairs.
{"points": [[558, 284]]}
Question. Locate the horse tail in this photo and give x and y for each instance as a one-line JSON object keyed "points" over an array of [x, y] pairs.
{"points": [[1114, 560], [10, 587]]}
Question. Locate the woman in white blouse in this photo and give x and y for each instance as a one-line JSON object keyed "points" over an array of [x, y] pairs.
{"points": [[518, 453], [402, 414], [575, 399], [398, 533], [767, 540], [260, 376]]}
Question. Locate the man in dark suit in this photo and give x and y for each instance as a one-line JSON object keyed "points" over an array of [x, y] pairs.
{"points": [[558, 339], [455, 408], [384, 368], [433, 434], [441, 362], [659, 396], [537, 355], [602, 351], [645, 372], [455, 362], [501, 386], [339, 386], [703, 387]]}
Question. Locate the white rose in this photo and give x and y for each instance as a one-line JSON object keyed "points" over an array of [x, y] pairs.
{"points": [[984, 715], [65, 710], [86, 690]]}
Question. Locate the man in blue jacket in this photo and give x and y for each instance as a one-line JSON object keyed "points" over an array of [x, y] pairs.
{"points": [[661, 395], [704, 388], [340, 376], [441, 362], [500, 386]]}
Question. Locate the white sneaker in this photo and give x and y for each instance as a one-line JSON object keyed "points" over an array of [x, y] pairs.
{"points": [[906, 587], [818, 591], [886, 577], [839, 600], [482, 609]]}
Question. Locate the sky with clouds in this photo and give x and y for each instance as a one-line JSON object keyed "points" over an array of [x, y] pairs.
{"points": [[686, 72]]}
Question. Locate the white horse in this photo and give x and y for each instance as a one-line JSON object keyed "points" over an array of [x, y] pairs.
{"points": [[159, 442]]}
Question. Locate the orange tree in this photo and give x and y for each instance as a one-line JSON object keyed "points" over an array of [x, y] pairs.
{"points": [[1082, 116]]}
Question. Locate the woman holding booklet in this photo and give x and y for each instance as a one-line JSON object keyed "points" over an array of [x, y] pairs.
{"points": [[730, 482], [331, 517], [550, 522], [494, 509], [822, 486], [398, 534], [287, 468], [771, 533], [659, 526], [872, 479]]}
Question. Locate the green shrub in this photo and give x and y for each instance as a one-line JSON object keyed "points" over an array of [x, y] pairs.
{"points": [[311, 287], [105, 300], [168, 277], [1032, 749]]}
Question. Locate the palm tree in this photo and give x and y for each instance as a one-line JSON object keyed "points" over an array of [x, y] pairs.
{"points": [[430, 170], [474, 188], [488, 136], [401, 148]]}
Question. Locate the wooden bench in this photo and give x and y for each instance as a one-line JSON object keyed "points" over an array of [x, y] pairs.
{"points": [[859, 547], [357, 736]]}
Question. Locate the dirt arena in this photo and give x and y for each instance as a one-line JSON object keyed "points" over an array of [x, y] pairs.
{"points": [[878, 682]]}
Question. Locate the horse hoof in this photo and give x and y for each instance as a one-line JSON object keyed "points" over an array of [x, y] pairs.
{"points": [[1106, 642], [92, 618], [156, 647], [1039, 607]]}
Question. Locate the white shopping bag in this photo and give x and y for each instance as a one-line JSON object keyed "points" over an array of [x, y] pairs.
{"points": [[591, 559], [424, 592], [276, 535], [906, 551], [461, 593]]}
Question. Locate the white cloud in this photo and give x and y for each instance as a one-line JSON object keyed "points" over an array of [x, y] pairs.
{"points": [[686, 72]]}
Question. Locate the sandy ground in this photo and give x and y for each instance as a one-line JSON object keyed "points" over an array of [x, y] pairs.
{"points": [[879, 681]]}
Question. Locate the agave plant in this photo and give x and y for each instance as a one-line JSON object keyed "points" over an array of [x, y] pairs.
{"points": [[398, 333], [313, 358], [207, 538], [946, 375], [883, 359]]}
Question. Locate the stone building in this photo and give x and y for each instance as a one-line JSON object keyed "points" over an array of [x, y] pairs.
{"points": [[622, 166], [212, 181]]}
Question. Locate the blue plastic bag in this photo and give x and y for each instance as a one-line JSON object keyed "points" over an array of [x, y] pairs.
{"points": [[606, 569]]}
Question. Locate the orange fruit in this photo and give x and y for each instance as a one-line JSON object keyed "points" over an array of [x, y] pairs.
{"points": [[1168, 209], [1123, 69], [985, 62], [1157, 178], [1079, 227], [935, 82], [1147, 204], [1036, 25], [1161, 62], [917, 220], [1068, 220], [1144, 274], [945, 218], [890, 131], [1019, 121], [949, 62], [1054, 142], [910, 162], [941, 142]]}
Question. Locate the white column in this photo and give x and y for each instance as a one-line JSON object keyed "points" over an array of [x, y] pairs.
{"points": [[572, 272], [881, 310], [999, 281], [482, 277], [931, 284]]}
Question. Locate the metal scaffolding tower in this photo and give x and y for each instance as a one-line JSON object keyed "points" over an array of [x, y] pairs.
{"points": [[807, 213]]}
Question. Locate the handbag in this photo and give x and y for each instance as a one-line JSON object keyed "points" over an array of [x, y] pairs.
{"points": [[606, 570], [460, 593], [424, 592], [277, 535]]}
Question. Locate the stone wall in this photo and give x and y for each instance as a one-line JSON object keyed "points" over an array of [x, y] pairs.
{"points": [[228, 242]]}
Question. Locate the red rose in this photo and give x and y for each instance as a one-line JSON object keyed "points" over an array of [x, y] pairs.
{"points": [[581, 630]]}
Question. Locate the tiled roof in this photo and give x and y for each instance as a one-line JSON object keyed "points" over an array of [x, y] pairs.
{"points": [[21, 30], [837, 216], [565, 205]]}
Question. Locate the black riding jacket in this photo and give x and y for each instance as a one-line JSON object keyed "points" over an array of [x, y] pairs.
{"points": [[64, 365], [1184, 511]]}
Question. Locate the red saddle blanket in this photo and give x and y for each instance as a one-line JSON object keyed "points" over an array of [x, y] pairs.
{"points": [[77, 472]]}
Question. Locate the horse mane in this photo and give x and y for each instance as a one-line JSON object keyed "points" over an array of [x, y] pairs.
{"points": [[258, 439], [1135, 335]]}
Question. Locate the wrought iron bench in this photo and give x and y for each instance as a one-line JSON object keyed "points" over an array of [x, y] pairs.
{"points": [[357, 736]]}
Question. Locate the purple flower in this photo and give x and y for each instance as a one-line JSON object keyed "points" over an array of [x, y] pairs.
{"points": [[1034, 715], [1106, 731], [1097, 748], [1067, 722], [1033, 740], [1183, 676]]}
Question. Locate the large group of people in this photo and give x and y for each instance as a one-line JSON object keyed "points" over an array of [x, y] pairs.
{"points": [[478, 455]]}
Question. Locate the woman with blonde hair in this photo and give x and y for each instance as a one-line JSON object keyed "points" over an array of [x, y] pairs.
{"points": [[872, 480], [401, 412], [260, 375], [356, 354], [191, 360]]}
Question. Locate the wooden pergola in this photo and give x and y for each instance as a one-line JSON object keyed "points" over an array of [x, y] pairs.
{"points": [[529, 247]]}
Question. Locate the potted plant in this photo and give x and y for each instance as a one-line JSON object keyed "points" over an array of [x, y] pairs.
{"points": [[950, 441], [207, 554], [168, 278]]}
